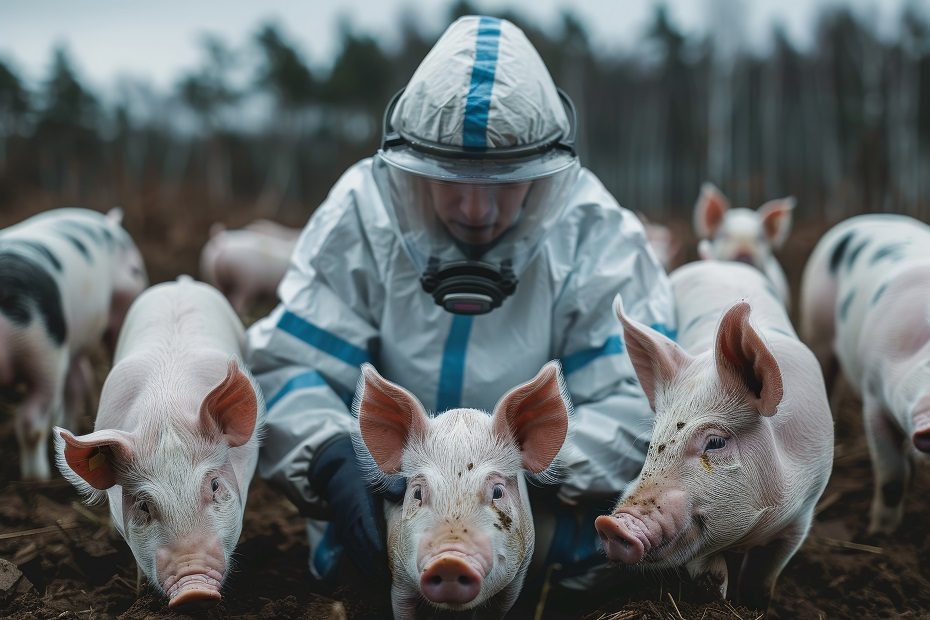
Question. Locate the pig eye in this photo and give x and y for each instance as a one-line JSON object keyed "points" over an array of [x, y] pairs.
{"points": [[144, 507], [417, 494], [215, 484], [715, 442], [498, 492]]}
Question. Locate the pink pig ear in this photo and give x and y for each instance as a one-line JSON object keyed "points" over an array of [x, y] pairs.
{"points": [[776, 219], [94, 457], [388, 417], [535, 414], [656, 358], [231, 407], [709, 210], [744, 361]]}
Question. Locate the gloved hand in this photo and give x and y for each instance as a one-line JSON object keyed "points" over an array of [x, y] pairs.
{"points": [[356, 514]]}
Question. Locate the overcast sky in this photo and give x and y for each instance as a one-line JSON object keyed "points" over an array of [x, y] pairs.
{"points": [[158, 40]]}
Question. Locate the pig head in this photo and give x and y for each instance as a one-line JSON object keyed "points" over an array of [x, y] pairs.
{"points": [[744, 235], [463, 537], [719, 472], [176, 482]]}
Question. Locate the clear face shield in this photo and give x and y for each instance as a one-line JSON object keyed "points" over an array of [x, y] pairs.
{"points": [[469, 221]]}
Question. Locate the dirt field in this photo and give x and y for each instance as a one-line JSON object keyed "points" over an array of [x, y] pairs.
{"points": [[77, 568]]}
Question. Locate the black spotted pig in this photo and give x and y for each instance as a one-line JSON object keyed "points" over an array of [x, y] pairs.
{"points": [[742, 445], [247, 264], [865, 304], [463, 537], [67, 277], [175, 444], [744, 235]]}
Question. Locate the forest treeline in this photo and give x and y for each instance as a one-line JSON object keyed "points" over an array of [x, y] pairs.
{"points": [[844, 125]]}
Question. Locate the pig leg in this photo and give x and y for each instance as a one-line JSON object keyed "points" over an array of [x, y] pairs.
{"points": [[78, 391], [711, 573], [764, 564], [890, 466]]}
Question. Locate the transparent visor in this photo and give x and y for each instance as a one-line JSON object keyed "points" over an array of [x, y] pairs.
{"points": [[494, 222]]}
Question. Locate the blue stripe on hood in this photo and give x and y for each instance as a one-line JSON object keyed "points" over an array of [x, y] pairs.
{"points": [[478, 101]]}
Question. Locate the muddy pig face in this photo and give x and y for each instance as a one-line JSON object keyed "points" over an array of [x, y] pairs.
{"points": [[466, 530], [708, 475]]}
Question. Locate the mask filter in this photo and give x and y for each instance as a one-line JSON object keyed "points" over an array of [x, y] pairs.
{"points": [[468, 287]]}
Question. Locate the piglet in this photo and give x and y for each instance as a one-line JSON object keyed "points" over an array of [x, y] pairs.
{"points": [[743, 439], [247, 264], [865, 310], [463, 537], [175, 442], [67, 277], [744, 235]]}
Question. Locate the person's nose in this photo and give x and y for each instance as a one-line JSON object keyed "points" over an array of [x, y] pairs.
{"points": [[476, 207]]}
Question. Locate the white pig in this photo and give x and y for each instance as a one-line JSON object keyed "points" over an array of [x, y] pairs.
{"points": [[67, 277], [247, 265], [865, 303], [175, 442], [744, 235], [463, 537], [742, 445]]}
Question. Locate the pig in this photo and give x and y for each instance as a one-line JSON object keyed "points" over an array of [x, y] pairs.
{"points": [[247, 265], [742, 445], [67, 277], [662, 241], [744, 235], [463, 537], [865, 311], [175, 442]]}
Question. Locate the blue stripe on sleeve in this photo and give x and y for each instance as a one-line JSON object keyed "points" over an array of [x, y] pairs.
{"points": [[311, 378], [578, 360], [478, 101], [323, 340], [452, 373]]}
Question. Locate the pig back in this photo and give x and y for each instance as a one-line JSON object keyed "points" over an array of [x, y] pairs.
{"points": [[186, 315], [704, 290], [75, 248]]}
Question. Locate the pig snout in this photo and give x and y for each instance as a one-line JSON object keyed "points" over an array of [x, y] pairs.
{"points": [[450, 579], [922, 440], [745, 257], [191, 575], [623, 537]]}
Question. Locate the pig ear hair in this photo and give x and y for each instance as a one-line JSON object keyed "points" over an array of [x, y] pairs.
{"points": [[91, 463], [709, 210], [231, 407], [776, 219], [388, 418], [656, 358], [744, 360], [535, 414]]}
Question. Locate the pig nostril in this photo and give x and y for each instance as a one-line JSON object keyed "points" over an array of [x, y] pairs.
{"points": [[464, 580], [435, 580]]}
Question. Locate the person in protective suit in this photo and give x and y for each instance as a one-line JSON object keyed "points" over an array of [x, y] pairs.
{"points": [[471, 249]]}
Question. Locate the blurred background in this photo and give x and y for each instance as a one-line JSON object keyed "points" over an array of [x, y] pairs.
{"points": [[231, 111]]}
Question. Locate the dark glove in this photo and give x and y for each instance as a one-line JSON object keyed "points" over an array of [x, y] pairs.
{"points": [[356, 514]]}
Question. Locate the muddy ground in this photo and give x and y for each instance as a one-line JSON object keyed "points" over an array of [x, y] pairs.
{"points": [[74, 566]]}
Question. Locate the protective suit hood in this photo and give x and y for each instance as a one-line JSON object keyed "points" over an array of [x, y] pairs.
{"points": [[476, 162]]}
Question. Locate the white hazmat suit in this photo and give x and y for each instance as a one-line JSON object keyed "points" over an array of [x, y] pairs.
{"points": [[353, 292]]}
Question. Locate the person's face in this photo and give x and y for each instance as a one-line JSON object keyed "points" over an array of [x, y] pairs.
{"points": [[477, 214]]}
